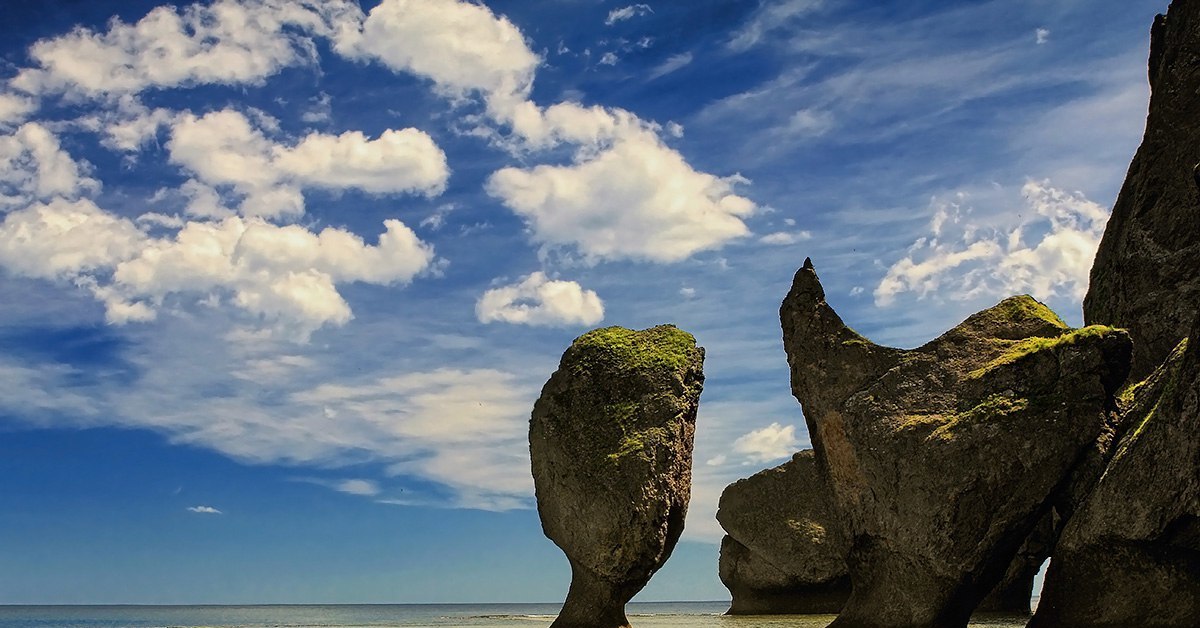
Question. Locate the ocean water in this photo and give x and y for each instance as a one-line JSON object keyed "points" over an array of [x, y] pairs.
{"points": [[641, 615]]}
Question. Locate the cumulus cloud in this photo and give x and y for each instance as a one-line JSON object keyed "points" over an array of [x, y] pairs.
{"points": [[224, 148], [638, 199], [462, 47], [204, 510], [627, 13], [228, 41], [64, 239], [770, 443], [14, 108], [33, 165], [1042, 35], [1048, 254], [536, 300]]}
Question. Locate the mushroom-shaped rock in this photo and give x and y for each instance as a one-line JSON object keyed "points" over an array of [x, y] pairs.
{"points": [[1130, 556], [785, 549], [943, 459], [1144, 277], [610, 440]]}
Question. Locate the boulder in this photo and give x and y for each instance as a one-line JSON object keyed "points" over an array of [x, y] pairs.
{"points": [[943, 459], [1130, 556], [785, 551], [1144, 277], [610, 441]]}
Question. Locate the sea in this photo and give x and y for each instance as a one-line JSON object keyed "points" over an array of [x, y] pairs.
{"points": [[641, 615]]}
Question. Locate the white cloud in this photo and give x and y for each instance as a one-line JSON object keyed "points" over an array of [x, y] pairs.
{"points": [[224, 148], [64, 239], [770, 443], [785, 238], [33, 165], [14, 108], [204, 510], [1043, 35], [673, 63], [638, 199], [465, 429], [1066, 230], [285, 275], [536, 300], [228, 41], [463, 47], [365, 488], [809, 123], [770, 15], [609, 58], [627, 13]]}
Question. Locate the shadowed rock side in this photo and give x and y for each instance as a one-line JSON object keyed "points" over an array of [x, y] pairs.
{"points": [[943, 459], [610, 441], [1144, 277], [785, 552], [1131, 554], [785, 548]]}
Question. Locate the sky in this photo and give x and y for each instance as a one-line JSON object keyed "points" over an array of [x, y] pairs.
{"points": [[281, 279]]}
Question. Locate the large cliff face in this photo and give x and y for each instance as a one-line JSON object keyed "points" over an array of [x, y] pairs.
{"points": [[610, 441], [943, 459], [1144, 278]]}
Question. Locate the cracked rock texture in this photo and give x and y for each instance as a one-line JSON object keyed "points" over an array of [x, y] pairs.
{"points": [[943, 459], [610, 441]]}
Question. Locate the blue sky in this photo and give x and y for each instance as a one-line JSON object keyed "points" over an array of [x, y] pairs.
{"points": [[283, 279]]}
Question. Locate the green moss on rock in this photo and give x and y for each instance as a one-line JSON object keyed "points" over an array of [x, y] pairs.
{"points": [[1022, 348], [665, 345]]}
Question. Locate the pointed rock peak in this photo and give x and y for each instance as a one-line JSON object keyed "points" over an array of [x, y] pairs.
{"points": [[809, 265], [1014, 318]]}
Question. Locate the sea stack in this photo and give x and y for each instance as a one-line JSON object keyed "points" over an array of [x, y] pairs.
{"points": [[943, 459], [610, 441]]}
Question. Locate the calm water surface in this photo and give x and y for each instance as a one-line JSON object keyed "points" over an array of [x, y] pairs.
{"points": [[641, 615]]}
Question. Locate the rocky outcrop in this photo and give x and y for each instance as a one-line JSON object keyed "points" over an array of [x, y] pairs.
{"points": [[1144, 277], [1130, 556], [944, 458], [611, 446], [785, 550]]}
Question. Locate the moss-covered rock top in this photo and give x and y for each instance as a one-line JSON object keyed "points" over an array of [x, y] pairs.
{"points": [[1016, 317], [626, 349], [1023, 348]]}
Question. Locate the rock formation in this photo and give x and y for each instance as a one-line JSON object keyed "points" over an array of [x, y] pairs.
{"points": [[785, 548], [1130, 556], [785, 551], [611, 446], [943, 459], [1144, 277]]}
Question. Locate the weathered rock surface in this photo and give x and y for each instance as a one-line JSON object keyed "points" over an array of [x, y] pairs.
{"points": [[785, 551], [610, 440], [785, 548], [943, 459], [1144, 277], [1130, 556]]}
